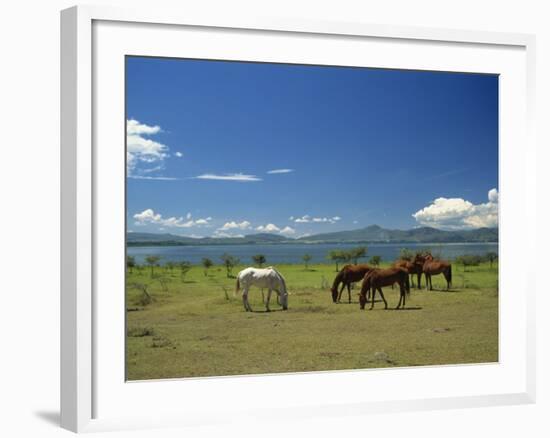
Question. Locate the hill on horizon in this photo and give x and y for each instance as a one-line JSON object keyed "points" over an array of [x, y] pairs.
{"points": [[369, 234]]}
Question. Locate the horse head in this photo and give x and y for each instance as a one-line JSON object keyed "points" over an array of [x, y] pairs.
{"points": [[362, 300], [422, 258], [284, 300], [334, 293]]}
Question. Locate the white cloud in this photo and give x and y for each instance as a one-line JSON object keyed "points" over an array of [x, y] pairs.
{"points": [[133, 127], [244, 225], [306, 219], [148, 216], [159, 178], [493, 195], [459, 214], [218, 233], [178, 154], [269, 228], [144, 155], [141, 149], [272, 228], [240, 177], [278, 171]]}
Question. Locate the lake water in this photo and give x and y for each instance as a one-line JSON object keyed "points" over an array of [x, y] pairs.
{"points": [[293, 252]]}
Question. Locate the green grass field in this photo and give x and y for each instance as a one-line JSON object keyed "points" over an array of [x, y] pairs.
{"points": [[199, 328]]}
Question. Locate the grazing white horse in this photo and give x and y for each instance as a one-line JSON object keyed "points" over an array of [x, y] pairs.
{"points": [[269, 278]]}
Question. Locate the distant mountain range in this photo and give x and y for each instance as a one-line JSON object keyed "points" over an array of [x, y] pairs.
{"points": [[370, 234]]}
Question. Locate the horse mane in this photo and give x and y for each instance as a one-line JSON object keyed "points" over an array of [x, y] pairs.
{"points": [[279, 275], [284, 282]]}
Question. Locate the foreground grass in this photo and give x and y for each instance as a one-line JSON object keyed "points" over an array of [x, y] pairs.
{"points": [[197, 327]]}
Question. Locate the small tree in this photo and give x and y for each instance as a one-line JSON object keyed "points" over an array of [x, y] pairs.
{"points": [[170, 266], [152, 261], [259, 259], [146, 297], [492, 257], [163, 282], [337, 256], [406, 254], [468, 260], [375, 260], [306, 258], [184, 269], [229, 262], [207, 264], [357, 253], [130, 263]]}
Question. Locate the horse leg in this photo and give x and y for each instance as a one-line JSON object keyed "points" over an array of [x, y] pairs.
{"points": [[383, 298], [400, 299], [401, 295], [245, 300], [349, 293], [267, 302], [263, 298], [341, 290], [412, 280], [372, 297]]}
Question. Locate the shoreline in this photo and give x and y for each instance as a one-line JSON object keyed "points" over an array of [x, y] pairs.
{"points": [[169, 243]]}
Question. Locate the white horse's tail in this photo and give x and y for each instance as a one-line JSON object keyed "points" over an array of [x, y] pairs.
{"points": [[237, 286]]}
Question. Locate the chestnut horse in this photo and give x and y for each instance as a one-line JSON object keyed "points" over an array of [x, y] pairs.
{"points": [[413, 267], [376, 279], [435, 267], [347, 275]]}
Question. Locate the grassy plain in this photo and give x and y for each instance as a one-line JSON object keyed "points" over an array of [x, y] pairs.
{"points": [[197, 327]]}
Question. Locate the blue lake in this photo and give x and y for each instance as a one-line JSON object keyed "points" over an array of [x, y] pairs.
{"points": [[293, 252]]}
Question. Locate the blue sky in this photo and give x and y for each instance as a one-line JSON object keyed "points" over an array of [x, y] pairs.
{"points": [[233, 148]]}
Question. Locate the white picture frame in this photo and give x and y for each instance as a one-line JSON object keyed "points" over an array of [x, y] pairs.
{"points": [[85, 379]]}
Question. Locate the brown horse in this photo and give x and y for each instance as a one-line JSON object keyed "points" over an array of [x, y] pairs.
{"points": [[413, 267], [435, 267], [347, 275], [376, 279]]}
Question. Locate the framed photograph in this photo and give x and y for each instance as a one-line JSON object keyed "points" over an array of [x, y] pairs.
{"points": [[318, 217]]}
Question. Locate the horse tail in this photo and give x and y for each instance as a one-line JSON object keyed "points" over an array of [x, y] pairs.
{"points": [[450, 274], [237, 286], [407, 284]]}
